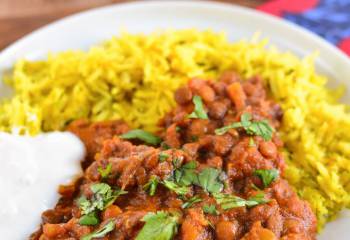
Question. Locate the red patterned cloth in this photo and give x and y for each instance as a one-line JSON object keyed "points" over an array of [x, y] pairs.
{"points": [[327, 18]]}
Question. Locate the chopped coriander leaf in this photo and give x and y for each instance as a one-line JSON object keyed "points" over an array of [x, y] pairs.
{"points": [[86, 206], [141, 135], [176, 162], [165, 146], [223, 130], [190, 165], [109, 227], [180, 190], [151, 186], [259, 128], [103, 197], [186, 174], [209, 180], [210, 209], [104, 172], [267, 176], [159, 226], [89, 219], [102, 188], [110, 199], [256, 200], [245, 119], [228, 201], [191, 201], [177, 129], [163, 156], [198, 111]]}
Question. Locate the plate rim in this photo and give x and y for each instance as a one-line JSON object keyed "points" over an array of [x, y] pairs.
{"points": [[204, 4]]}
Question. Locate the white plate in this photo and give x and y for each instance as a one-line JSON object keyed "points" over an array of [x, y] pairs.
{"points": [[82, 30]]}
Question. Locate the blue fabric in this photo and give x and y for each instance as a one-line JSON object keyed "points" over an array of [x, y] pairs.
{"points": [[330, 19]]}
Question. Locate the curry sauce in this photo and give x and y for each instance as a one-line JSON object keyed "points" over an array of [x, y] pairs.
{"points": [[217, 173]]}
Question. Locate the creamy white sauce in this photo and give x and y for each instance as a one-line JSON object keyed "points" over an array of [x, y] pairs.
{"points": [[31, 169]]}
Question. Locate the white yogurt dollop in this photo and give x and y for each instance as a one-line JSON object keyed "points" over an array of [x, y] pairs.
{"points": [[31, 169]]}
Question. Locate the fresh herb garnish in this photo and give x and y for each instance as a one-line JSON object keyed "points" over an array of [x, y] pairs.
{"points": [[141, 135], [176, 162], [159, 226], [86, 206], [177, 129], [182, 177], [209, 180], [198, 111], [165, 146], [191, 201], [104, 172], [267, 176], [109, 227], [186, 175], [178, 189], [258, 128], [103, 196], [210, 209], [163, 157], [256, 200], [151, 186], [228, 201], [89, 219]]}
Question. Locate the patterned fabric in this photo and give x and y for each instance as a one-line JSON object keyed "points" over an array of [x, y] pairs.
{"points": [[327, 18]]}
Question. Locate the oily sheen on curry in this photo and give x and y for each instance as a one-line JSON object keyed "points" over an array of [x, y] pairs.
{"points": [[215, 172]]}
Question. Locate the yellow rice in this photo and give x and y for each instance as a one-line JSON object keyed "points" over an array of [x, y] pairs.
{"points": [[133, 77]]}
